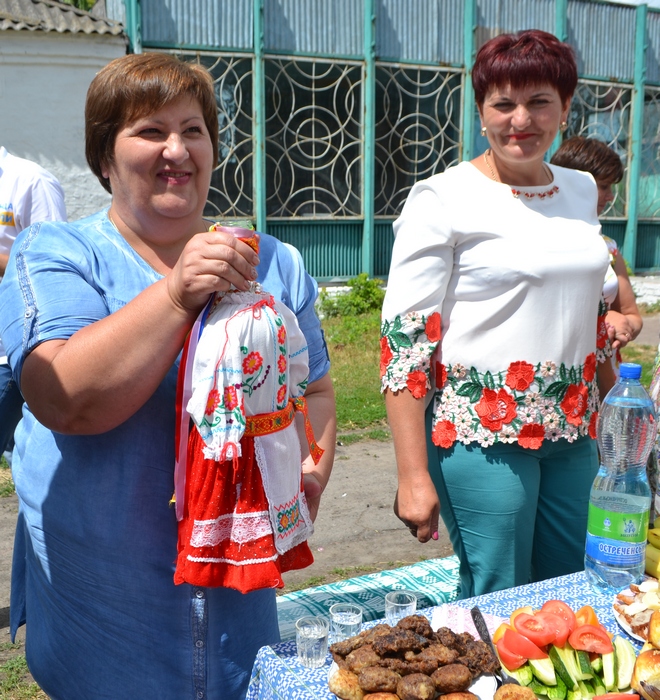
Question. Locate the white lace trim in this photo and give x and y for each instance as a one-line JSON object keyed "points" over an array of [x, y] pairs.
{"points": [[235, 562], [237, 527]]}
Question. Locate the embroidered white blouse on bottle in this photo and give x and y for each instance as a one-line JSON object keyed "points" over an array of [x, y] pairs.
{"points": [[493, 300]]}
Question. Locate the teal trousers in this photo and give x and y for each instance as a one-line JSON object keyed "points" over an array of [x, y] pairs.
{"points": [[514, 515]]}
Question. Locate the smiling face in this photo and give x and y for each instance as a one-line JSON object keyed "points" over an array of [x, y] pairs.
{"points": [[521, 124], [162, 166]]}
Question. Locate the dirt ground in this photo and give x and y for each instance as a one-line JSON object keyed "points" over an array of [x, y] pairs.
{"points": [[356, 526]]}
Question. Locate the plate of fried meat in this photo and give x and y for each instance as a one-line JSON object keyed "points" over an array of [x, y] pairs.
{"points": [[412, 661]]}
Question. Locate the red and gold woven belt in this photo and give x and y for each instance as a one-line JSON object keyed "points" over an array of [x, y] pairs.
{"points": [[267, 423]]}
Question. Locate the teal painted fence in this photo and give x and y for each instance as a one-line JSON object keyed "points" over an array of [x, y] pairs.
{"points": [[390, 68], [331, 251]]}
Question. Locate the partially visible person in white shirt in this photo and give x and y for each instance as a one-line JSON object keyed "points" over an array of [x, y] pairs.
{"points": [[28, 194], [595, 157]]}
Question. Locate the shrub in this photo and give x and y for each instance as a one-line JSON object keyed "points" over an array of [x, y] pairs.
{"points": [[365, 295]]}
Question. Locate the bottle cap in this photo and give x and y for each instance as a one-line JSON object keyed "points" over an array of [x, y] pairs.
{"points": [[629, 370]]}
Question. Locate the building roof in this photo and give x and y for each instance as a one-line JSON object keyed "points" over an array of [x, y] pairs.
{"points": [[53, 16]]}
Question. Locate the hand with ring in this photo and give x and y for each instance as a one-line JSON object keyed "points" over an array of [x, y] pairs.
{"points": [[621, 329]]}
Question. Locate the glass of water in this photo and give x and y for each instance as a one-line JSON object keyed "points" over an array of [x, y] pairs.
{"points": [[399, 604], [346, 621], [312, 640]]}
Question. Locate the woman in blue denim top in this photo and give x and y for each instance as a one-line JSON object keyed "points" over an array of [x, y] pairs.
{"points": [[94, 315]]}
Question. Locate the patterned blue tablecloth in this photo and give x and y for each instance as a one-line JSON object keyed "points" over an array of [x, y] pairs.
{"points": [[278, 674]]}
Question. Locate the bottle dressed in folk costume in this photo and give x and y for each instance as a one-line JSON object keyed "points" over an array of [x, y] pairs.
{"points": [[620, 496]]}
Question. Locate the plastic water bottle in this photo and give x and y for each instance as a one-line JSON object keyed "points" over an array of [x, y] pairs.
{"points": [[620, 496]]}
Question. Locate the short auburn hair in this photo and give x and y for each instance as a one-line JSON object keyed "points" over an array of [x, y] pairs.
{"points": [[531, 57], [591, 156], [135, 86]]}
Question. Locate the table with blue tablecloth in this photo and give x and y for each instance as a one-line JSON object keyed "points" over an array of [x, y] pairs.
{"points": [[278, 674]]}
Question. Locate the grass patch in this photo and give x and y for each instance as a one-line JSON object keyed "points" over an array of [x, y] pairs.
{"points": [[16, 682], [6, 483], [649, 309], [353, 344], [642, 355], [381, 435]]}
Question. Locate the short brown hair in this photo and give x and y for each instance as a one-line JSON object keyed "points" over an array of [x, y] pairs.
{"points": [[591, 156], [532, 57], [134, 86]]}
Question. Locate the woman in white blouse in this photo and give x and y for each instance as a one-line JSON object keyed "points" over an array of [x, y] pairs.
{"points": [[492, 322]]}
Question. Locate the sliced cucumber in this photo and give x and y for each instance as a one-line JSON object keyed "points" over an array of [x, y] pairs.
{"points": [[538, 688], [523, 675], [586, 689], [625, 658], [609, 671], [597, 664], [565, 668], [557, 692], [599, 688], [583, 665], [544, 670]]}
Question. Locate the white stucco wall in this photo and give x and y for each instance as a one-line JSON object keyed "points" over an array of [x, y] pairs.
{"points": [[44, 78]]}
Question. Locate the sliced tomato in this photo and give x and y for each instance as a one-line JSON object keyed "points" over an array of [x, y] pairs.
{"points": [[521, 645], [510, 660], [559, 608], [527, 609], [559, 624], [500, 631], [591, 638], [537, 628], [616, 696], [586, 615]]}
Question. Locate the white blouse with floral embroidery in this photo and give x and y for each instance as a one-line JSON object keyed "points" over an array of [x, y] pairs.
{"points": [[494, 301]]}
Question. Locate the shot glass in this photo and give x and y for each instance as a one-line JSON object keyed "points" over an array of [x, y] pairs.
{"points": [[399, 604], [312, 640], [345, 621]]}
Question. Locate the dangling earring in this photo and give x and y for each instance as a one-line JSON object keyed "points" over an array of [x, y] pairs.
{"points": [[563, 126], [483, 130]]}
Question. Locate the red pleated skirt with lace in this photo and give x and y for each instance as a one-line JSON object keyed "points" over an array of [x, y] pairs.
{"points": [[225, 537]]}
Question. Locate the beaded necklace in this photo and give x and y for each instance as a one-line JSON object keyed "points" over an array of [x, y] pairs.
{"points": [[517, 193]]}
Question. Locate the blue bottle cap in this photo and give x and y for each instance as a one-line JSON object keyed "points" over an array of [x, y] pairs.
{"points": [[629, 370]]}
